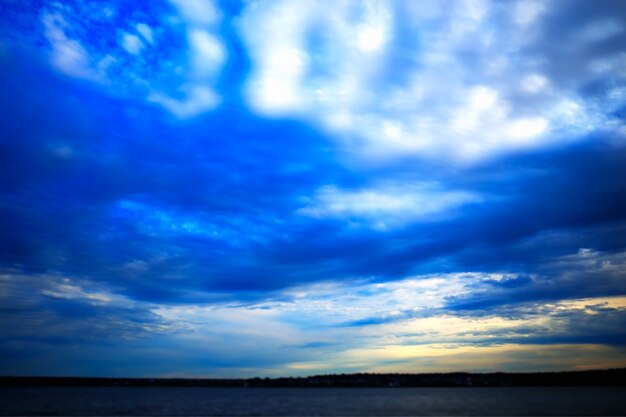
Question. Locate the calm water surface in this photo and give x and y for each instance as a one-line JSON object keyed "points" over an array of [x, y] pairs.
{"points": [[152, 401]]}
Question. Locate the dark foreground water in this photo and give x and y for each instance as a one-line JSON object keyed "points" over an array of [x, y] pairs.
{"points": [[152, 401]]}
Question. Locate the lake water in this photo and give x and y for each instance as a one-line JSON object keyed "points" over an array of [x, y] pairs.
{"points": [[164, 401]]}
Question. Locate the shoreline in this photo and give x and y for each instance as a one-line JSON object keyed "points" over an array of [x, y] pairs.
{"points": [[610, 377]]}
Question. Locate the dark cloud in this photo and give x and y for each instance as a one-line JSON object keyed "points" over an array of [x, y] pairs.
{"points": [[64, 179], [574, 34], [244, 178]]}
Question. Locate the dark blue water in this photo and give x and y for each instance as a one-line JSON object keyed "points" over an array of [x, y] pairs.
{"points": [[140, 401]]}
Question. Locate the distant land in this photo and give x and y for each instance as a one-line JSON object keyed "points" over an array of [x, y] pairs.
{"points": [[608, 377]]}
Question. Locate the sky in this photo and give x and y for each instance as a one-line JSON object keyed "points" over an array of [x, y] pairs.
{"points": [[206, 188]]}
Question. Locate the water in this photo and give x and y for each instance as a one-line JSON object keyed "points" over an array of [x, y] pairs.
{"points": [[164, 401]]}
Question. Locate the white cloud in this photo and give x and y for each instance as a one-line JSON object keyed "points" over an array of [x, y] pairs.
{"points": [[187, 84], [27, 289], [374, 32], [207, 52], [131, 43], [527, 11], [198, 12], [333, 65], [70, 291], [358, 300], [282, 59], [534, 83], [527, 130], [198, 99], [206, 57], [352, 39], [68, 55], [387, 205], [146, 32], [277, 90]]}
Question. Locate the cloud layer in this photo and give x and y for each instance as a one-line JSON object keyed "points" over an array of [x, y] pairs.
{"points": [[463, 81], [208, 188]]}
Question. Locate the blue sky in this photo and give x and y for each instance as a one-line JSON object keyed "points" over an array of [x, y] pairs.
{"points": [[263, 188]]}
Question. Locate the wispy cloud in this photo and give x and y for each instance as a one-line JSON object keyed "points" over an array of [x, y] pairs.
{"points": [[187, 92], [68, 54], [131, 43], [387, 205]]}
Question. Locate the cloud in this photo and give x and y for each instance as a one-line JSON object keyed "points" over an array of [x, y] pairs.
{"points": [[294, 219], [208, 52], [526, 12], [387, 205], [207, 56], [68, 55], [58, 310], [146, 32], [68, 291], [585, 274], [398, 187], [456, 92], [131, 43], [198, 100], [243, 339], [198, 12], [188, 53]]}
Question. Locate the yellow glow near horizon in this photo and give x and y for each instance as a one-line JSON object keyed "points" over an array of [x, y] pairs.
{"points": [[473, 358]]}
